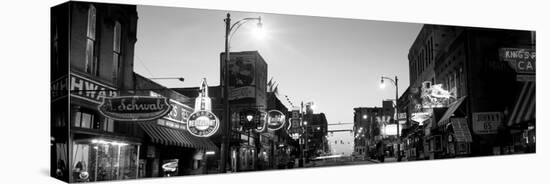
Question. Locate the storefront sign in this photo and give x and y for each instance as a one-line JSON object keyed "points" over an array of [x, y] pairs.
{"points": [[295, 114], [433, 95], [520, 59], [294, 129], [262, 122], [89, 90], [179, 113], [202, 122], [526, 78], [420, 117], [59, 88], [486, 122], [275, 120], [402, 116], [134, 108]]}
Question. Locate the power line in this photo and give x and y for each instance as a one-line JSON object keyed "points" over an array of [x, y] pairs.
{"points": [[143, 65]]}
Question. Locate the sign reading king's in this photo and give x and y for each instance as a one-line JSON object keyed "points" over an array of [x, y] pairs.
{"points": [[134, 108], [520, 59]]}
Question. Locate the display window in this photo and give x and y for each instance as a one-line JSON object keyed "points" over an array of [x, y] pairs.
{"points": [[103, 160]]}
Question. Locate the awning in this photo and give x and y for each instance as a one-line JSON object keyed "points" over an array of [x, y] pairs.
{"points": [[461, 130], [451, 110], [175, 137], [524, 109]]}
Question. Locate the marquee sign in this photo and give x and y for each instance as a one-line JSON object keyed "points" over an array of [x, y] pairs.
{"points": [[275, 120], [134, 108], [202, 122]]}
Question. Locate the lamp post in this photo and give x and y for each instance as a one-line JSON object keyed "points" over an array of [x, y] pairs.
{"points": [[382, 85], [167, 78], [226, 131]]}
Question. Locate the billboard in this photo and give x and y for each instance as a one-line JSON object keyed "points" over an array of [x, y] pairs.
{"points": [[247, 75]]}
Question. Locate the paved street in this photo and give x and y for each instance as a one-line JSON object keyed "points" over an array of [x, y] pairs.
{"points": [[346, 161]]}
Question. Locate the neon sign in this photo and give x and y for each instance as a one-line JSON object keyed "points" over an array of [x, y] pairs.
{"points": [[202, 122], [134, 108]]}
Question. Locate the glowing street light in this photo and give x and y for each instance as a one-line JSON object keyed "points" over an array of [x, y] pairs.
{"points": [[382, 85]]}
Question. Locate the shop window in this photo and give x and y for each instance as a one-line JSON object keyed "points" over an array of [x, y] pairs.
{"points": [[103, 160]]}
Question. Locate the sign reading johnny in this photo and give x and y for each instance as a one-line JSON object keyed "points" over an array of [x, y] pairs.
{"points": [[134, 108]]}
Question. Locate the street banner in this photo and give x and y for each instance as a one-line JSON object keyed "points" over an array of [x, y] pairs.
{"points": [[486, 122]]}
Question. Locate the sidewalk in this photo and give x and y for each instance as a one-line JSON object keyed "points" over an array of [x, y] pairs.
{"points": [[386, 160]]}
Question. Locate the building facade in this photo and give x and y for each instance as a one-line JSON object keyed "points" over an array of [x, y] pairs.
{"points": [[372, 133], [92, 58], [481, 91]]}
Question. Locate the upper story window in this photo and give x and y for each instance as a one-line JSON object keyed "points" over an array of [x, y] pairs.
{"points": [[91, 58], [88, 119], [116, 51]]}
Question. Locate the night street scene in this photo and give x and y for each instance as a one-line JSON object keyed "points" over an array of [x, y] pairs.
{"points": [[151, 92]]}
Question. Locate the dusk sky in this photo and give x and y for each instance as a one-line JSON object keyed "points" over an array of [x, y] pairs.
{"points": [[336, 63]]}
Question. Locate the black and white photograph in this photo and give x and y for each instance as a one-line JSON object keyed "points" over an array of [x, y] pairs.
{"points": [[154, 92]]}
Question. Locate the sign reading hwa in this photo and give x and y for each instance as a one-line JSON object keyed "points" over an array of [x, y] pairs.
{"points": [[134, 108], [89, 90]]}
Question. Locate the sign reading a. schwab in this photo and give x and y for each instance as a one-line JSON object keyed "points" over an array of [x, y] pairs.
{"points": [[134, 108]]}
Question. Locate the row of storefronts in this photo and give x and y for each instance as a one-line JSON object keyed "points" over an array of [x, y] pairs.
{"points": [[466, 98], [87, 144]]}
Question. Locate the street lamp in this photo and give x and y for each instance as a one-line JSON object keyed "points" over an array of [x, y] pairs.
{"points": [[229, 29], [306, 140], [382, 85], [168, 78]]}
